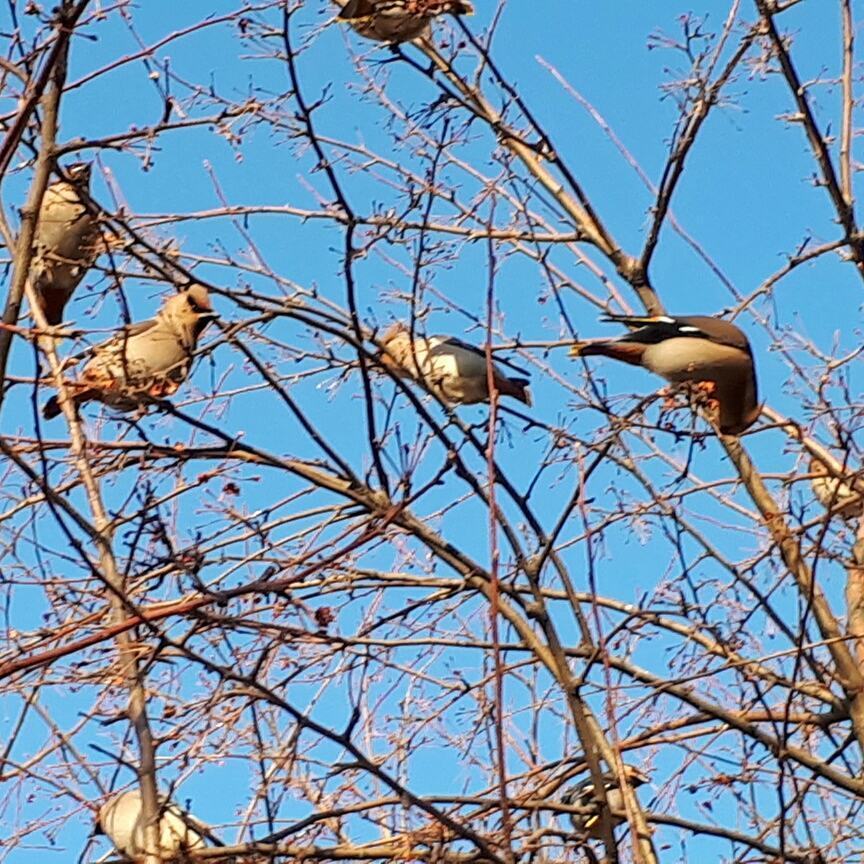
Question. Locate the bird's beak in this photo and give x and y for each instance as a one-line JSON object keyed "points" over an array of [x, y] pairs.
{"points": [[208, 316]]}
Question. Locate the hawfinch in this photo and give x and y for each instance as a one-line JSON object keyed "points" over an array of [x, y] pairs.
{"points": [[121, 820], [399, 20], [66, 241], [833, 494], [582, 795], [147, 360], [454, 370], [694, 348]]}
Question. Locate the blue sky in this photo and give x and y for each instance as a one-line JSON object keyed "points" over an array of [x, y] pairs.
{"points": [[746, 196]]}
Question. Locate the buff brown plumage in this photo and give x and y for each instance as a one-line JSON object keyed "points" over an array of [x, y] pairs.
{"points": [[452, 369], [66, 242], [397, 21], [145, 361], [690, 348]]}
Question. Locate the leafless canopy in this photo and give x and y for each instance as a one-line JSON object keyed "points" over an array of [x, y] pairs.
{"points": [[339, 619]]}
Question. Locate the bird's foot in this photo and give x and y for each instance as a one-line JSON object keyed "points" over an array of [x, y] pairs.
{"points": [[703, 394], [708, 387], [670, 398]]}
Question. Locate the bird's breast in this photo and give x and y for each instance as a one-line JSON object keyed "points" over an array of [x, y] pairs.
{"points": [[687, 359]]}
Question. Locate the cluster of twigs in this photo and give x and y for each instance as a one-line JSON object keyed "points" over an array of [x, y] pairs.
{"points": [[385, 628]]}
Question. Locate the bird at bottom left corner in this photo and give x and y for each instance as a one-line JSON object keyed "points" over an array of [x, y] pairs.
{"points": [[121, 820]]}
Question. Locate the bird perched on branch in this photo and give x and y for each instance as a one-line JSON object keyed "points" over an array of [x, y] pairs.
{"points": [[835, 495], [588, 822], [399, 20], [121, 819], [690, 348], [144, 361], [66, 242], [453, 370]]}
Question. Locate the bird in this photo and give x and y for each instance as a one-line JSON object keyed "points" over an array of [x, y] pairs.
{"points": [[65, 244], [452, 369], [689, 348], [582, 795], [398, 21], [147, 360], [835, 495], [121, 819]]}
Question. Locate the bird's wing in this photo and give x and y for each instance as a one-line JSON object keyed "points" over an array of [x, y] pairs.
{"points": [[123, 335], [450, 342], [581, 792], [357, 9], [651, 329], [110, 361]]}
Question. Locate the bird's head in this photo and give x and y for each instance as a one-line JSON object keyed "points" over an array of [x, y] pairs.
{"points": [[190, 310], [79, 173], [394, 343], [397, 330], [635, 777], [817, 466]]}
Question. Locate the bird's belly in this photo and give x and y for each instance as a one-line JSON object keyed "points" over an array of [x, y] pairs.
{"points": [[464, 390], [685, 359], [453, 383], [397, 27], [64, 233], [55, 275]]}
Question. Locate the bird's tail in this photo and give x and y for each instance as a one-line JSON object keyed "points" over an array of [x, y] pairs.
{"points": [[53, 303], [589, 348], [51, 408], [621, 349], [517, 388]]}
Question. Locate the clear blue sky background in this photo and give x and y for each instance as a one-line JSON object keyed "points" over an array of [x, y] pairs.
{"points": [[746, 196]]}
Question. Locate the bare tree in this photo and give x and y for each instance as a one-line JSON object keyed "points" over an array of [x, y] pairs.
{"points": [[338, 617]]}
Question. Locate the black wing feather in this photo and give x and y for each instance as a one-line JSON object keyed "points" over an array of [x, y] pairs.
{"points": [[357, 9], [650, 330], [480, 352]]}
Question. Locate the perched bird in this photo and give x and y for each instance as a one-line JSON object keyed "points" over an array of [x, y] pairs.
{"points": [[453, 370], [147, 360], [66, 241], [121, 820], [399, 20], [834, 494], [694, 348], [582, 795]]}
